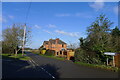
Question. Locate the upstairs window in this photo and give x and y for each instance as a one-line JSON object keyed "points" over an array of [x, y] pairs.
{"points": [[62, 45]]}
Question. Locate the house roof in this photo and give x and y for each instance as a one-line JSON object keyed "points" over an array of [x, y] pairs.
{"points": [[61, 42], [46, 42], [53, 41]]}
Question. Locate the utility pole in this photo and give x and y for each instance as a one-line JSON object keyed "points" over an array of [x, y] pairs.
{"points": [[24, 34]]}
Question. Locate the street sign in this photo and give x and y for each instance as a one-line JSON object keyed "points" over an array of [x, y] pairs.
{"points": [[110, 53]]}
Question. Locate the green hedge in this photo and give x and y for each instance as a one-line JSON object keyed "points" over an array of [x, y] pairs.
{"points": [[86, 57]]}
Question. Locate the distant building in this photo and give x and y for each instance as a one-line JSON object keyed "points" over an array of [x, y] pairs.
{"points": [[55, 44], [59, 47]]}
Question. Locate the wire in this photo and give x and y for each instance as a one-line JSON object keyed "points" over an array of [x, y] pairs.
{"points": [[27, 12]]}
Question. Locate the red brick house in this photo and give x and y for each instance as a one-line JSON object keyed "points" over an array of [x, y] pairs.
{"points": [[55, 44]]}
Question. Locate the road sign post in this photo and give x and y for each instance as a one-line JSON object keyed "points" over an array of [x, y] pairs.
{"points": [[113, 61], [107, 61], [111, 54]]}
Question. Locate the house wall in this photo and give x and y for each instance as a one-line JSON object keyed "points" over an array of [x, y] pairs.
{"points": [[46, 46], [56, 47]]}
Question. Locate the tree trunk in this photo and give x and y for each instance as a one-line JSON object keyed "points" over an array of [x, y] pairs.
{"points": [[16, 52]]}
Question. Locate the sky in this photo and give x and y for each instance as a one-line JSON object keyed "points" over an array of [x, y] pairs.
{"points": [[65, 20]]}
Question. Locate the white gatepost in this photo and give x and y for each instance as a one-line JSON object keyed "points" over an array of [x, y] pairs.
{"points": [[113, 61], [107, 61]]}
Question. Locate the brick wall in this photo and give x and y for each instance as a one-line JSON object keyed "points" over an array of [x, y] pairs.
{"points": [[117, 60], [56, 46]]}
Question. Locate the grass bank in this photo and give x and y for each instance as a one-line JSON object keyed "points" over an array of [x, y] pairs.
{"points": [[110, 68], [19, 56]]}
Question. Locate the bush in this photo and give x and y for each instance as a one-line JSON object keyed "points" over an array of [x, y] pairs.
{"points": [[50, 52], [42, 51], [80, 56], [7, 49], [86, 57]]}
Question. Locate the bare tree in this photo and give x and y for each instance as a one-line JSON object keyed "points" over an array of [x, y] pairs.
{"points": [[73, 46], [13, 37]]}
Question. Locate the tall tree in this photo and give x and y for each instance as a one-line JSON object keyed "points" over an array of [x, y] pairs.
{"points": [[115, 40], [13, 37], [97, 40], [99, 33]]}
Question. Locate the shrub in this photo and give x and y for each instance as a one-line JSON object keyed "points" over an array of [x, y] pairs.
{"points": [[50, 52], [42, 51], [86, 57], [7, 48]]}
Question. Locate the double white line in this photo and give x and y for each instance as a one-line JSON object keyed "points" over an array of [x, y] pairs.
{"points": [[35, 64]]}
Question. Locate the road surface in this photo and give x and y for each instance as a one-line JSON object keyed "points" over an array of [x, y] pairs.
{"points": [[43, 67]]}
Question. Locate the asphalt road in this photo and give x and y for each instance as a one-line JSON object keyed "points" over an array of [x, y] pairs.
{"points": [[16, 69], [43, 67]]}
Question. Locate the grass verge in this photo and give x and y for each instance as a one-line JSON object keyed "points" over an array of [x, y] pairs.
{"points": [[19, 56], [110, 68], [54, 57]]}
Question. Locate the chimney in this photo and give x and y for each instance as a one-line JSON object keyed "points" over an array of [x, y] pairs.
{"points": [[57, 39]]}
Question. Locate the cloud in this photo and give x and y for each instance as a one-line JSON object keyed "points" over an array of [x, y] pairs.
{"points": [[36, 26], [63, 15], [97, 5], [47, 31], [79, 14], [115, 9], [73, 34], [2, 19], [11, 17], [84, 15], [51, 26]]}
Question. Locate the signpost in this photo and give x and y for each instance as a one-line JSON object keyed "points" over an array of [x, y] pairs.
{"points": [[107, 61], [111, 54]]}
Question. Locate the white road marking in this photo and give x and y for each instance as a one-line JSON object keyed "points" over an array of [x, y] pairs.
{"points": [[32, 63], [35, 63], [42, 68]]}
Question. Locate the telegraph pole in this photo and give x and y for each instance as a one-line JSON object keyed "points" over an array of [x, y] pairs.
{"points": [[24, 34]]}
